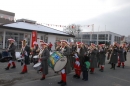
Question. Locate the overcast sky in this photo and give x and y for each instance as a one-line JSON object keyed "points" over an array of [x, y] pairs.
{"points": [[115, 14]]}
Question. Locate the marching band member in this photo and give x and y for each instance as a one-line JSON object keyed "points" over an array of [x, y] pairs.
{"points": [[102, 56], [35, 51], [11, 49], [25, 52], [65, 50], [93, 58], [44, 59], [114, 56], [125, 51], [121, 58], [79, 56]]}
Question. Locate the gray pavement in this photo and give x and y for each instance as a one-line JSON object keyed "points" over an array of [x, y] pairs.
{"points": [[118, 77]]}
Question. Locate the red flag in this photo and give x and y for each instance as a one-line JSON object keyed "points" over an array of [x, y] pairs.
{"points": [[34, 37]]}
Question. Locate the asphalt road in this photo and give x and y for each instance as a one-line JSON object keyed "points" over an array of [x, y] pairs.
{"points": [[110, 77]]}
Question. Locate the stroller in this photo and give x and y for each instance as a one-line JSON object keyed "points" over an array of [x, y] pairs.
{"points": [[5, 56]]}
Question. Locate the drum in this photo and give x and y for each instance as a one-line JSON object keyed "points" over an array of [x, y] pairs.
{"points": [[6, 56], [57, 61], [35, 59], [37, 66]]}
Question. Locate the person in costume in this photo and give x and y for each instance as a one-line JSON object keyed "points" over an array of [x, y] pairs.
{"points": [[114, 56], [35, 51], [25, 52], [121, 58], [102, 57], [65, 50], [79, 59], [11, 50], [44, 59], [93, 58]]}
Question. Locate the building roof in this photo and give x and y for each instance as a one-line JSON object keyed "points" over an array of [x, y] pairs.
{"points": [[7, 13], [35, 27]]}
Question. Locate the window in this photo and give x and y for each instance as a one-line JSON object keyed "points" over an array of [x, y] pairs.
{"points": [[94, 36], [103, 36], [42, 37], [110, 36], [86, 36]]}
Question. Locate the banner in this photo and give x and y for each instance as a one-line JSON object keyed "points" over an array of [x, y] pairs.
{"points": [[34, 37]]}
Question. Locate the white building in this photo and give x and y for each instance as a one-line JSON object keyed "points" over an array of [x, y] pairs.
{"points": [[101, 37], [22, 30]]}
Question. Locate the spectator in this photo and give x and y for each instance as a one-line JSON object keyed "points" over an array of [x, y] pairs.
{"points": [[50, 46]]}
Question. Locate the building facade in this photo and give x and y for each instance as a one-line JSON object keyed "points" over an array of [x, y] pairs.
{"points": [[6, 17], [104, 37], [23, 30]]}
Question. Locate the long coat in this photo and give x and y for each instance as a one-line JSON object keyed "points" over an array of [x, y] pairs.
{"points": [[93, 59], [102, 56], [12, 51], [44, 61], [121, 55], [72, 59], [114, 56], [66, 53], [26, 57]]}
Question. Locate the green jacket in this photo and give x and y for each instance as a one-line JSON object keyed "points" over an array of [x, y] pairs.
{"points": [[87, 63]]}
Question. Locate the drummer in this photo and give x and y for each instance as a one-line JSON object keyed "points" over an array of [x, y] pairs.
{"points": [[44, 56], [11, 49], [65, 50], [35, 51], [25, 52]]}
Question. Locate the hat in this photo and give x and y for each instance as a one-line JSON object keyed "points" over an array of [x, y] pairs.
{"points": [[92, 44], [11, 39], [79, 43], [35, 42], [43, 43], [64, 41]]}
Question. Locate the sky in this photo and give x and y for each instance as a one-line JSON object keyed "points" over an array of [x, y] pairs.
{"points": [[112, 13]]}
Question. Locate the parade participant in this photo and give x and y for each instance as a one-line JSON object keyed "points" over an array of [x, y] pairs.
{"points": [[25, 52], [114, 56], [50, 46], [102, 56], [79, 57], [35, 51], [44, 59], [124, 51], [58, 46], [65, 50], [93, 58], [85, 68], [11, 50], [71, 55], [121, 58]]}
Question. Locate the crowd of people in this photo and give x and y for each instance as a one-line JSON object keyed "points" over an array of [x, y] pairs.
{"points": [[81, 57]]}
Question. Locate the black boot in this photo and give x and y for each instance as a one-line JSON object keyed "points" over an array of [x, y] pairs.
{"points": [[75, 75], [60, 82], [42, 78], [13, 67], [78, 77], [101, 70], [7, 68], [63, 84]]}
